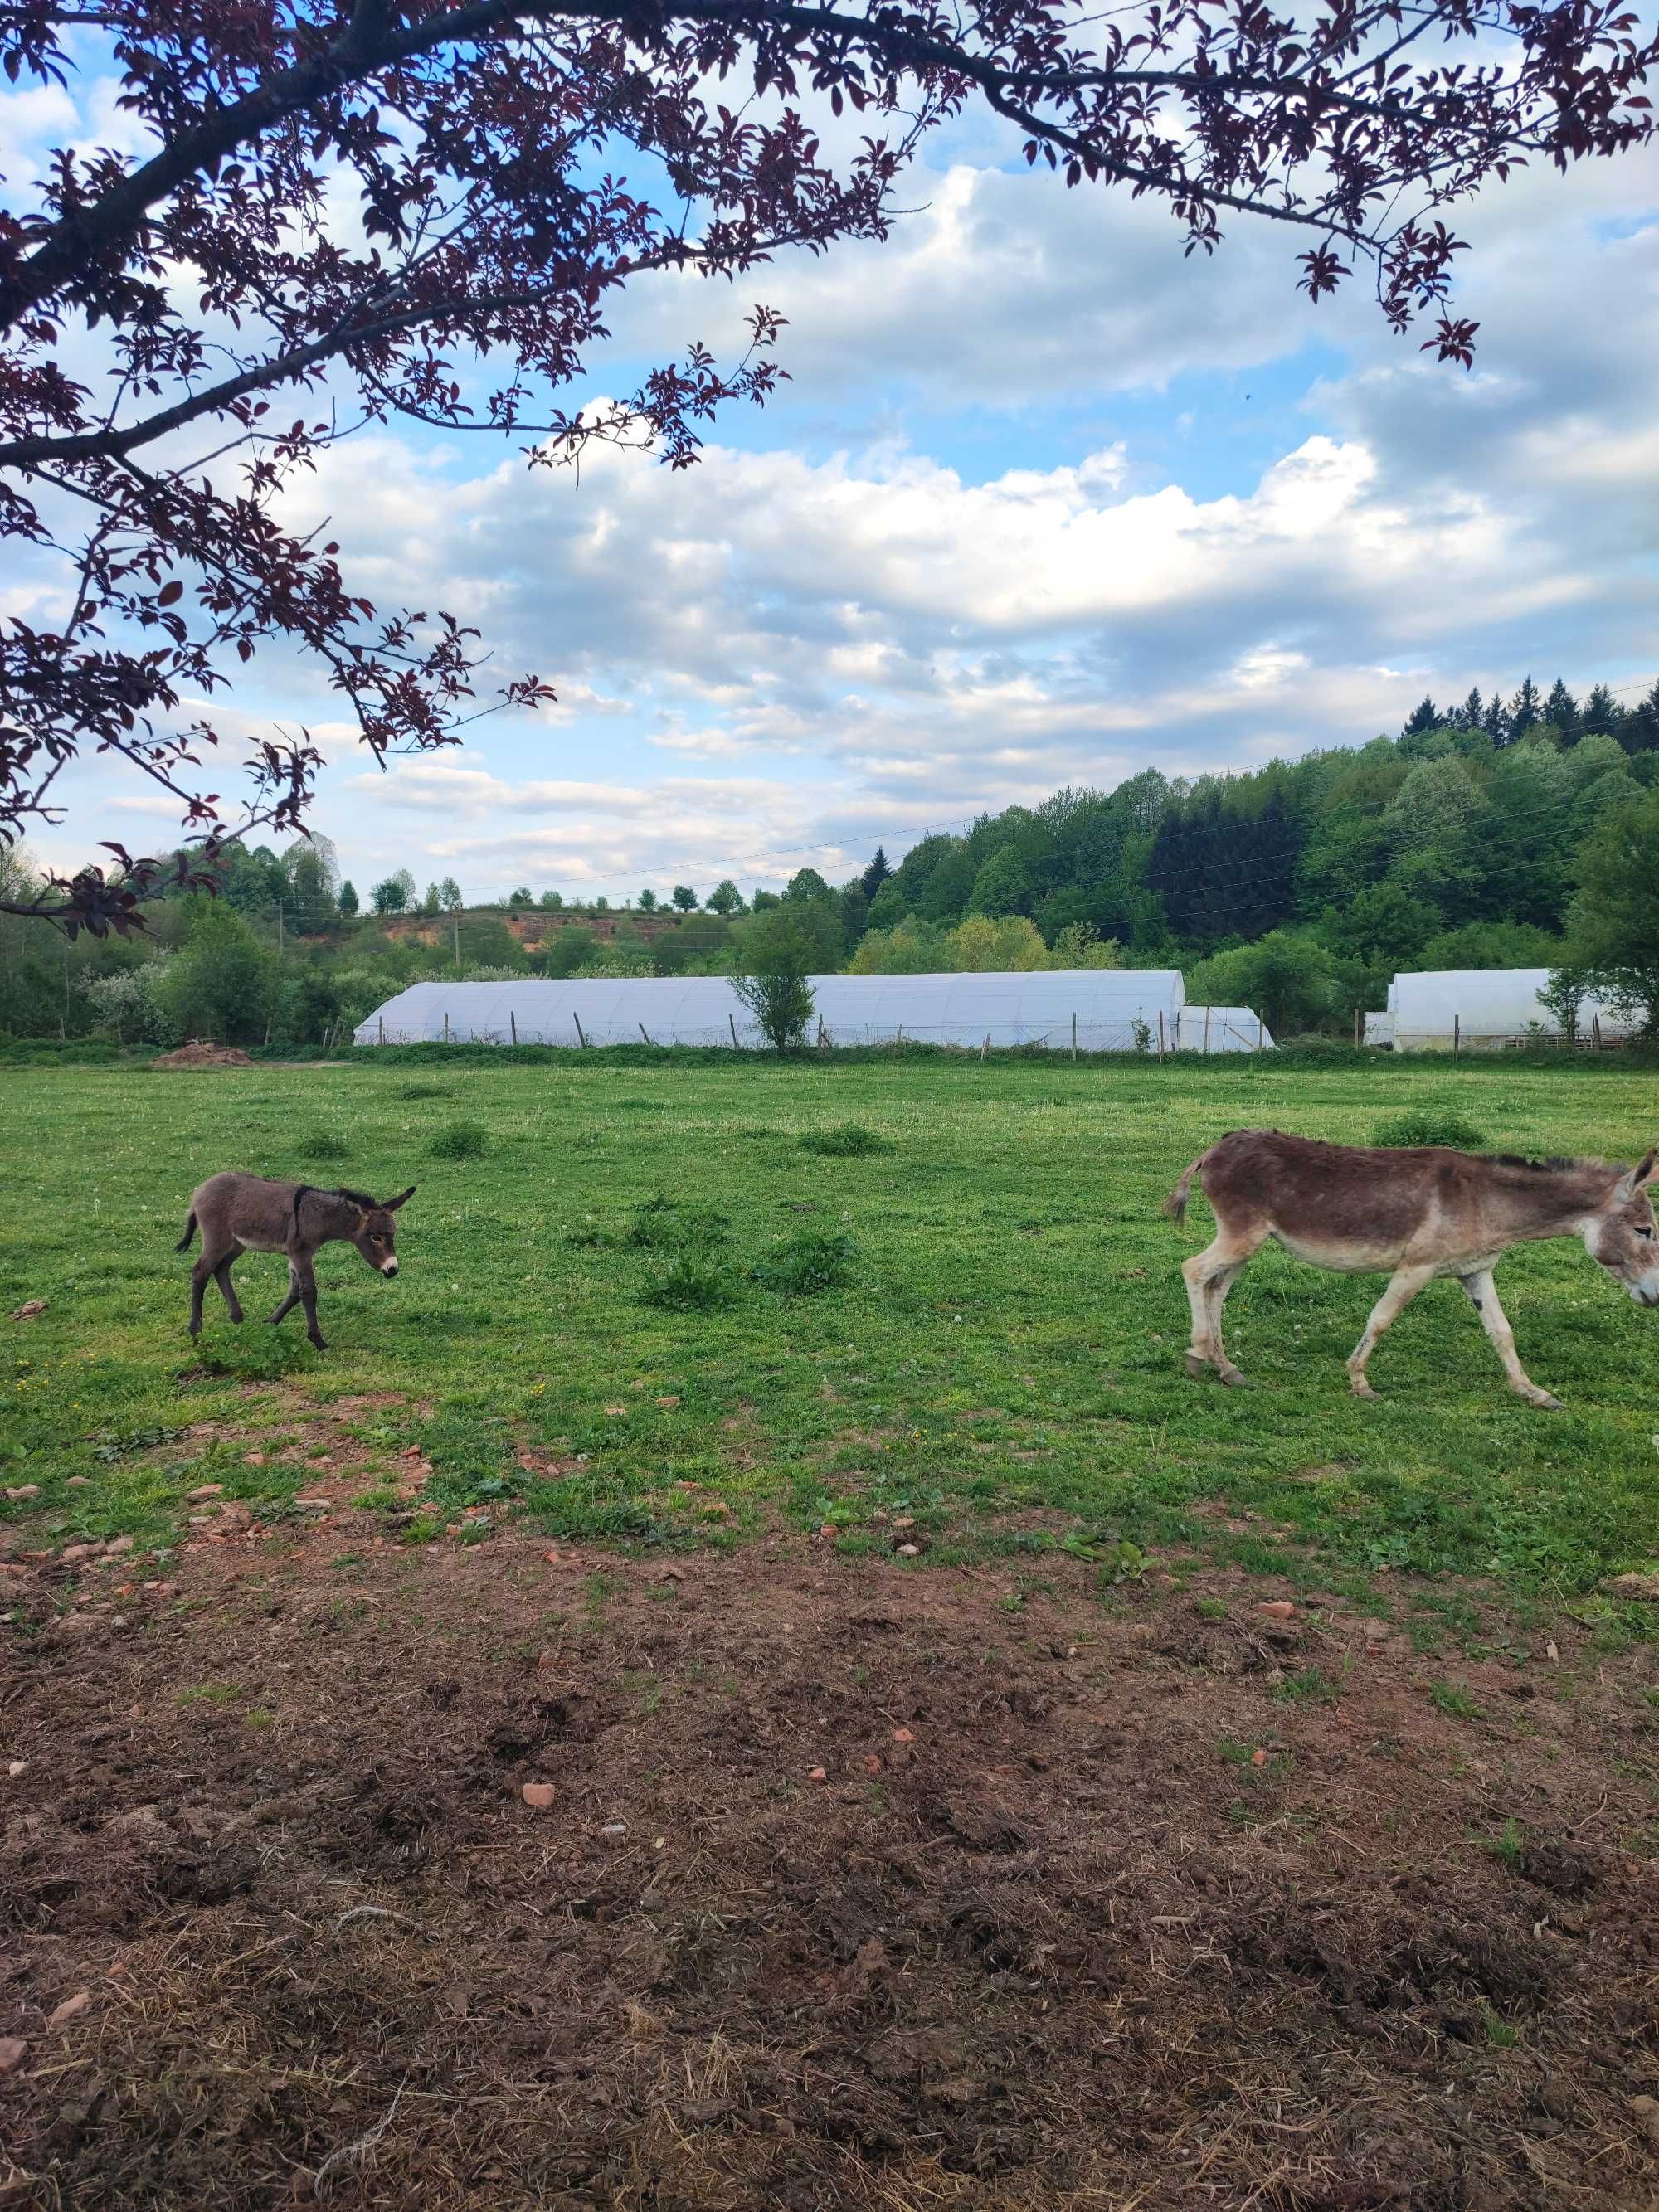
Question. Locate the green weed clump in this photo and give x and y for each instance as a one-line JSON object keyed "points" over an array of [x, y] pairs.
{"points": [[663, 1225], [692, 1281], [849, 1140], [461, 1141], [806, 1263], [323, 1145], [1430, 1125]]}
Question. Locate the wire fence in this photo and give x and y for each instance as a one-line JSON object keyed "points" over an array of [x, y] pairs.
{"points": [[1588, 1037], [1152, 1039]]}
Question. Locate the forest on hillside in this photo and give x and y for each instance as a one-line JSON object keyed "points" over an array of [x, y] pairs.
{"points": [[1500, 833]]}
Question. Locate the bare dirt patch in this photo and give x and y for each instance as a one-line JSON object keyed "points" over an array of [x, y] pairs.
{"points": [[1157, 1905]]}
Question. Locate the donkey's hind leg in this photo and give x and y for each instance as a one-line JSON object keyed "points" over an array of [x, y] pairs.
{"points": [[208, 1264], [1404, 1285], [221, 1276], [1210, 1275]]}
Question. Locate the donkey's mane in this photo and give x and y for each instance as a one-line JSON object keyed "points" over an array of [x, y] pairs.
{"points": [[1552, 1165], [356, 1197]]}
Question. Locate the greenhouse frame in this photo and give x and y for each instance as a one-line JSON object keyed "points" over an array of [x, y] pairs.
{"points": [[1088, 1009]]}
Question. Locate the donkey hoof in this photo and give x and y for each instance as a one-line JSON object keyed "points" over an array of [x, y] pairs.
{"points": [[1545, 1402], [1196, 1363], [1233, 1377], [1362, 1389], [319, 1344]]}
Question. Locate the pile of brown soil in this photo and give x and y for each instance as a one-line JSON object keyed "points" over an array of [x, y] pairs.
{"points": [[482, 1878], [197, 1054]]}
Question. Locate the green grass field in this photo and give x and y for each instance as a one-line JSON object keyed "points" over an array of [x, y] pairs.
{"points": [[996, 1353]]}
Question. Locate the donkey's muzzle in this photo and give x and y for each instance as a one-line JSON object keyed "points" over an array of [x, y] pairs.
{"points": [[388, 1266]]}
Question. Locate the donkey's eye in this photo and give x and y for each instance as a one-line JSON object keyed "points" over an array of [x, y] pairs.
{"points": [[1644, 1232]]}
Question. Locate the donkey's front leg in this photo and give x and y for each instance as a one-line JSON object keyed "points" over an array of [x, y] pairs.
{"points": [[308, 1283], [291, 1300], [1404, 1285], [1483, 1297]]}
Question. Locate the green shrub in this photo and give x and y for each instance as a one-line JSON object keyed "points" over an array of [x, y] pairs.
{"points": [[423, 1091], [1430, 1125], [691, 1281], [847, 1141], [461, 1141], [806, 1263]]}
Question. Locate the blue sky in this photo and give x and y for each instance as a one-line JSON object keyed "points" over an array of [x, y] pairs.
{"points": [[1044, 502]]}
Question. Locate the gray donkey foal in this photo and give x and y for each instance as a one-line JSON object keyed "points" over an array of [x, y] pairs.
{"points": [[242, 1214]]}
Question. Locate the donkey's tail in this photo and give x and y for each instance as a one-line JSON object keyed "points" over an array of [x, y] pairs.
{"points": [[1175, 1204], [183, 1245]]}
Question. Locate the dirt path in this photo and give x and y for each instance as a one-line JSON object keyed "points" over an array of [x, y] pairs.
{"points": [[1122, 1907]]}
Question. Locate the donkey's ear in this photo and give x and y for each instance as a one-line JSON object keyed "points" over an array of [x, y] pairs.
{"points": [[1638, 1175], [392, 1204]]}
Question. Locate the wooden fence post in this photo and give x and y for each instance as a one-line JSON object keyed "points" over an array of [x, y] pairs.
{"points": [[577, 1019], [1206, 1032], [1457, 1034], [731, 1021], [513, 1024], [985, 1049], [1260, 1032], [642, 1032], [1358, 1019], [1160, 1035], [901, 1033], [1074, 1036], [1595, 1030], [382, 1020]]}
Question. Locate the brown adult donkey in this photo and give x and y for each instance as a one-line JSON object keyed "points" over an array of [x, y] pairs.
{"points": [[1413, 1214], [242, 1214]]}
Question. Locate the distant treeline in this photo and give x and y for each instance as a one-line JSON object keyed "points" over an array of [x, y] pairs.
{"points": [[1495, 834]]}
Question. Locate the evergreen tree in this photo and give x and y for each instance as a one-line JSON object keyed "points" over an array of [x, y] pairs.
{"points": [[1524, 714], [1639, 731], [1496, 721], [1471, 714], [1561, 711], [348, 898], [1425, 716], [875, 874], [1602, 713]]}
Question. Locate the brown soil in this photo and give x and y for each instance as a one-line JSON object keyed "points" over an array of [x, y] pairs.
{"points": [[203, 1056], [1109, 1907]]}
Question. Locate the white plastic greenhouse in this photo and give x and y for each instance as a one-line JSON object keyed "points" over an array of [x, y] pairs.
{"points": [[1478, 1010], [1221, 1029], [1099, 1009]]}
